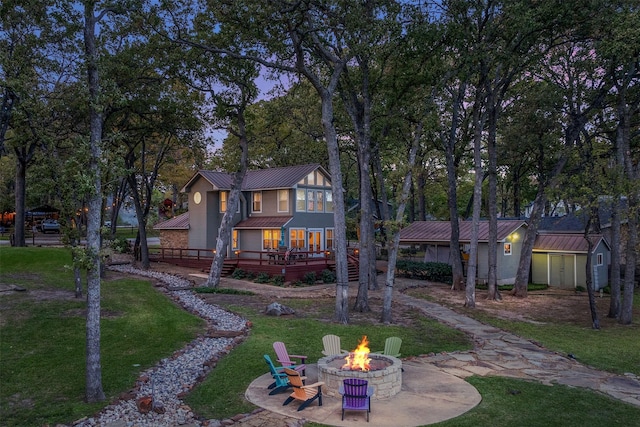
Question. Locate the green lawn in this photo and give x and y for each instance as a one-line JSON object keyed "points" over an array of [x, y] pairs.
{"points": [[42, 351], [42, 335]]}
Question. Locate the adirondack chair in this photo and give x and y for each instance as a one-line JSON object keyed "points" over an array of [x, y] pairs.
{"points": [[281, 381], [284, 358], [304, 393], [356, 395], [391, 347], [331, 345]]}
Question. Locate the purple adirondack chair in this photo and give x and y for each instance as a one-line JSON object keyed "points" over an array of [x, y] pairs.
{"points": [[284, 358], [356, 396]]}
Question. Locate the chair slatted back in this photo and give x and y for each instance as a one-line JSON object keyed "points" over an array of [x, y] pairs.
{"points": [[355, 393]]}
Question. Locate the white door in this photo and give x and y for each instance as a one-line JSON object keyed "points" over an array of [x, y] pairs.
{"points": [[315, 241]]}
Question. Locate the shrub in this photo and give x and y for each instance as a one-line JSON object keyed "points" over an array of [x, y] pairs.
{"points": [[120, 245], [310, 278], [262, 278], [277, 280], [328, 276], [434, 271], [238, 273]]}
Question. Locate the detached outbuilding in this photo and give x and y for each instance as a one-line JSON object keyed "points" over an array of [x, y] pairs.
{"points": [[560, 260], [435, 238]]}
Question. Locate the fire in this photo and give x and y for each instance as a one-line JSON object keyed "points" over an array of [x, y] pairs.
{"points": [[358, 359]]}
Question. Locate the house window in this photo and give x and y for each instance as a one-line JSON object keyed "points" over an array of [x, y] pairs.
{"points": [[301, 201], [256, 205], [320, 200], [311, 178], [283, 200], [270, 238], [328, 197], [311, 205], [599, 259], [296, 237], [329, 239], [507, 248], [234, 239], [223, 200]]}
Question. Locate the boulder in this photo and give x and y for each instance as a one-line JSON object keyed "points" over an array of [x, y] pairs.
{"points": [[277, 309]]}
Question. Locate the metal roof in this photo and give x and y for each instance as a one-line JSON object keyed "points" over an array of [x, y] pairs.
{"points": [[569, 242], [180, 222], [440, 231], [259, 222], [261, 179]]}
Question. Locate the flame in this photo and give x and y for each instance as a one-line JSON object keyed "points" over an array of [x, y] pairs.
{"points": [[358, 359]]}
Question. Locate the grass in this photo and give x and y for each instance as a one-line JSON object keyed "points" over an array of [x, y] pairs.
{"points": [[42, 351], [42, 334], [303, 336]]}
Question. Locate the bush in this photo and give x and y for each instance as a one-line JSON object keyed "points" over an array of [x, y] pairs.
{"points": [[238, 273], [434, 271], [120, 245], [328, 276], [262, 278], [310, 278], [277, 280]]}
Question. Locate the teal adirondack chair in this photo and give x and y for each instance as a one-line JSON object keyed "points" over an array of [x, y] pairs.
{"points": [[281, 381]]}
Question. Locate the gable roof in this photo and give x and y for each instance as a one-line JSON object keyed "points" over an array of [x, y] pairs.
{"points": [[180, 222], [440, 231], [565, 242], [261, 179]]}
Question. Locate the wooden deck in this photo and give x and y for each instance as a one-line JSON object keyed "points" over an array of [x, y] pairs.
{"points": [[293, 267]]}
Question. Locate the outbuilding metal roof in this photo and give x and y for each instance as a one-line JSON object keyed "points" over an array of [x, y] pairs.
{"points": [[558, 242], [440, 231]]}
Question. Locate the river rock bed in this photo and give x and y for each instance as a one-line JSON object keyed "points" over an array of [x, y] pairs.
{"points": [[156, 398]]}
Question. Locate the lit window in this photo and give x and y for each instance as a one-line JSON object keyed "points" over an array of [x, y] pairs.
{"points": [[223, 200], [270, 238], [283, 200], [297, 238], [257, 202], [507, 248], [234, 239], [329, 239], [319, 200]]}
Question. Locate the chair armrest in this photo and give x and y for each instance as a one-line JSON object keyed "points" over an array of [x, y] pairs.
{"points": [[318, 384], [287, 361], [297, 356]]}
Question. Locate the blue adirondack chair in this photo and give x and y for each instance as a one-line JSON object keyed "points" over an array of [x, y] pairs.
{"points": [[281, 381]]}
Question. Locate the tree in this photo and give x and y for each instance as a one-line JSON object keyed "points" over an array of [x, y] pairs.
{"points": [[94, 391]]}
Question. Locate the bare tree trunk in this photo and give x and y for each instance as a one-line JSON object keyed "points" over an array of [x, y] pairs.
{"points": [[21, 180], [626, 314], [224, 231], [449, 143], [492, 279], [394, 242], [94, 391], [595, 322], [614, 273]]}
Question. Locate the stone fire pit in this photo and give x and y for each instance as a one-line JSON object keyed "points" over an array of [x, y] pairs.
{"points": [[385, 375]]}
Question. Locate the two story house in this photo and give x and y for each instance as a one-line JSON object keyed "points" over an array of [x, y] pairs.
{"points": [[279, 207]]}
